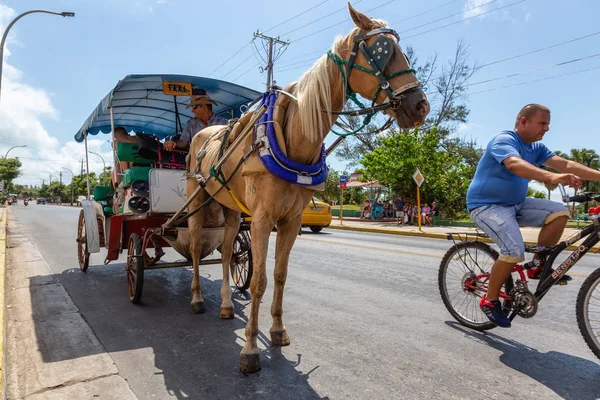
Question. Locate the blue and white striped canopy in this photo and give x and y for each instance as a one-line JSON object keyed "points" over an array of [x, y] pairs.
{"points": [[139, 105]]}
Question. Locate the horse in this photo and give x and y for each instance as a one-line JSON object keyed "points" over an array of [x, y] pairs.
{"points": [[305, 111]]}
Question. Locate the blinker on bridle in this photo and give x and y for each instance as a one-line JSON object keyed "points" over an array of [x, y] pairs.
{"points": [[378, 56]]}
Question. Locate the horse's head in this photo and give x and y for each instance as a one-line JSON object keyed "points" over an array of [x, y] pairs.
{"points": [[377, 68]]}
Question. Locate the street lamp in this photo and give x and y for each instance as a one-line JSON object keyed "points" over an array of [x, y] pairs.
{"points": [[103, 163], [72, 189], [14, 147], [62, 14]]}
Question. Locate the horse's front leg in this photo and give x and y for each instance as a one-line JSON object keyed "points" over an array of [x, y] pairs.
{"points": [[287, 232], [259, 231], [232, 227], [195, 224]]}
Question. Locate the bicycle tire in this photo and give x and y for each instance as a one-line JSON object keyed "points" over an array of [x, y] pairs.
{"points": [[485, 324], [591, 283]]}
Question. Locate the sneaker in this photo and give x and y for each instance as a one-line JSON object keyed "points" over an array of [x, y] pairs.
{"points": [[536, 272], [493, 310]]}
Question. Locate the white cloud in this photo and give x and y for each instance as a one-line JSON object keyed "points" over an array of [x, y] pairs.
{"points": [[22, 111], [474, 8]]}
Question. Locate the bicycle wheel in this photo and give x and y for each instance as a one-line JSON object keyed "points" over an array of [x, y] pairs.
{"points": [[588, 311], [463, 280]]}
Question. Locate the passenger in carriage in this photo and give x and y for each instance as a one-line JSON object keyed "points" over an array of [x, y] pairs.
{"points": [[121, 136], [201, 105]]}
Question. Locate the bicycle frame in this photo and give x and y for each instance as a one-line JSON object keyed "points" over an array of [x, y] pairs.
{"points": [[547, 279]]}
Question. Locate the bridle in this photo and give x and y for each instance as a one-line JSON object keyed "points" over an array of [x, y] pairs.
{"points": [[377, 55]]}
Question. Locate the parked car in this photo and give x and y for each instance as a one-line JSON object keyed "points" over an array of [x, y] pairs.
{"points": [[316, 215], [40, 200]]}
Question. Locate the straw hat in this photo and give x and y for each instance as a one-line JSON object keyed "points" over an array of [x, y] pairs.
{"points": [[199, 96]]}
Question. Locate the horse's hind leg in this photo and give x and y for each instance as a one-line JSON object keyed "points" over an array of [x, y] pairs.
{"points": [[195, 224], [232, 227], [287, 232]]}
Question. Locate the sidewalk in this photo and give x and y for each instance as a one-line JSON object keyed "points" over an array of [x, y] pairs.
{"points": [[438, 232], [50, 350]]}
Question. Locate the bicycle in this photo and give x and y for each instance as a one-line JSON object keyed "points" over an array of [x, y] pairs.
{"points": [[474, 259]]}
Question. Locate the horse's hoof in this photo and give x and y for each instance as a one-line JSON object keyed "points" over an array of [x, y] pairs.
{"points": [[227, 312], [250, 363], [280, 338], [198, 307]]}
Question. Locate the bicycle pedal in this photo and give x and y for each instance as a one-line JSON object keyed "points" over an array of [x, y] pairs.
{"points": [[563, 283]]}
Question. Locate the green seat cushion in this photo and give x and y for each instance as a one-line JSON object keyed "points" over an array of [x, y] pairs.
{"points": [[130, 152], [100, 192], [135, 174]]}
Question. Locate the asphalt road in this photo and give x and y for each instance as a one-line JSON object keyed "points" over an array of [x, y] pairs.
{"points": [[363, 312]]}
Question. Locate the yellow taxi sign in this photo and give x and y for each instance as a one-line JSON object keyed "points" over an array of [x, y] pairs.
{"points": [[177, 88], [418, 177]]}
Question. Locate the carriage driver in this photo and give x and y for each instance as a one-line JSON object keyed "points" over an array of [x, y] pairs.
{"points": [[498, 204], [201, 105]]}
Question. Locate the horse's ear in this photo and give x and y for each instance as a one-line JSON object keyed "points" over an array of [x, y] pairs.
{"points": [[360, 20]]}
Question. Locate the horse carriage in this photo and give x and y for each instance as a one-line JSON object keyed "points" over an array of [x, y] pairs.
{"points": [[267, 164], [151, 214]]}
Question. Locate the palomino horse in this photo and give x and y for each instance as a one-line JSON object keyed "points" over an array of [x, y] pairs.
{"points": [[303, 125]]}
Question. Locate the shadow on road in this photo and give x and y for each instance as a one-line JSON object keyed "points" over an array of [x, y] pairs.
{"points": [[568, 376], [196, 355]]}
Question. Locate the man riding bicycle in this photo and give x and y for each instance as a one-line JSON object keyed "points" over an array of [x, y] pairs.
{"points": [[497, 198]]}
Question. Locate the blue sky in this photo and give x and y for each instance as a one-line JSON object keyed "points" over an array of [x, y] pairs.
{"points": [[57, 69]]}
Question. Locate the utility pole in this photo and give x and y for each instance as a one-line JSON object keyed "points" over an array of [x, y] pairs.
{"points": [[60, 174], [272, 41], [81, 167]]}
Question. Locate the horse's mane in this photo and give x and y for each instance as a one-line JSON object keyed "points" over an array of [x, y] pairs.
{"points": [[314, 94]]}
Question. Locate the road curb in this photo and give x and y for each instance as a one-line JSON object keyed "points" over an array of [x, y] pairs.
{"points": [[3, 228], [425, 234]]}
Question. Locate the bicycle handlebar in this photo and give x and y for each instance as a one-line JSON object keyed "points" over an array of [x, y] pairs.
{"points": [[582, 197]]}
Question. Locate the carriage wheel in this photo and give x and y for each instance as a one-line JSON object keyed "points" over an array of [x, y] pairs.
{"points": [[83, 256], [135, 268], [241, 261]]}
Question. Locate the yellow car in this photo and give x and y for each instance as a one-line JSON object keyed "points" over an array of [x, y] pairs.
{"points": [[316, 215]]}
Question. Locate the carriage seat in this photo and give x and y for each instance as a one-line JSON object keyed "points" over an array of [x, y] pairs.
{"points": [[136, 174], [130, 152]]}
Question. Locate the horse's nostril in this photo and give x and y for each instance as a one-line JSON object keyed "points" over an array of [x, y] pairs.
{"points": [[423, 106]]}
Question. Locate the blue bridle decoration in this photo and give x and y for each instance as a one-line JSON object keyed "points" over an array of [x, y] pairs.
{"points": [[275, 160]]}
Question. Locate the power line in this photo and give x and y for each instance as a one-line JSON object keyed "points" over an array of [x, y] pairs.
{"points": [[226, 61], [339, 23], [428, 11], [448, 16], [465, 19], [318, 19], [462, 12], [296, 16], [237, 66], [247, 44], [541, 49], [537, 80], [248, 70], [534, 70]]}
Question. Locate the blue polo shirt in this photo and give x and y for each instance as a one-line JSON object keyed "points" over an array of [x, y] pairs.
{"points": [[493, 183]]}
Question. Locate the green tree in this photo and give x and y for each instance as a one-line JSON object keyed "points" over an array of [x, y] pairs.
{"points": [[79, 183], [535, 193], [447, 175], [447, 96], [9, 169], [331, 192], [105, 176]]}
